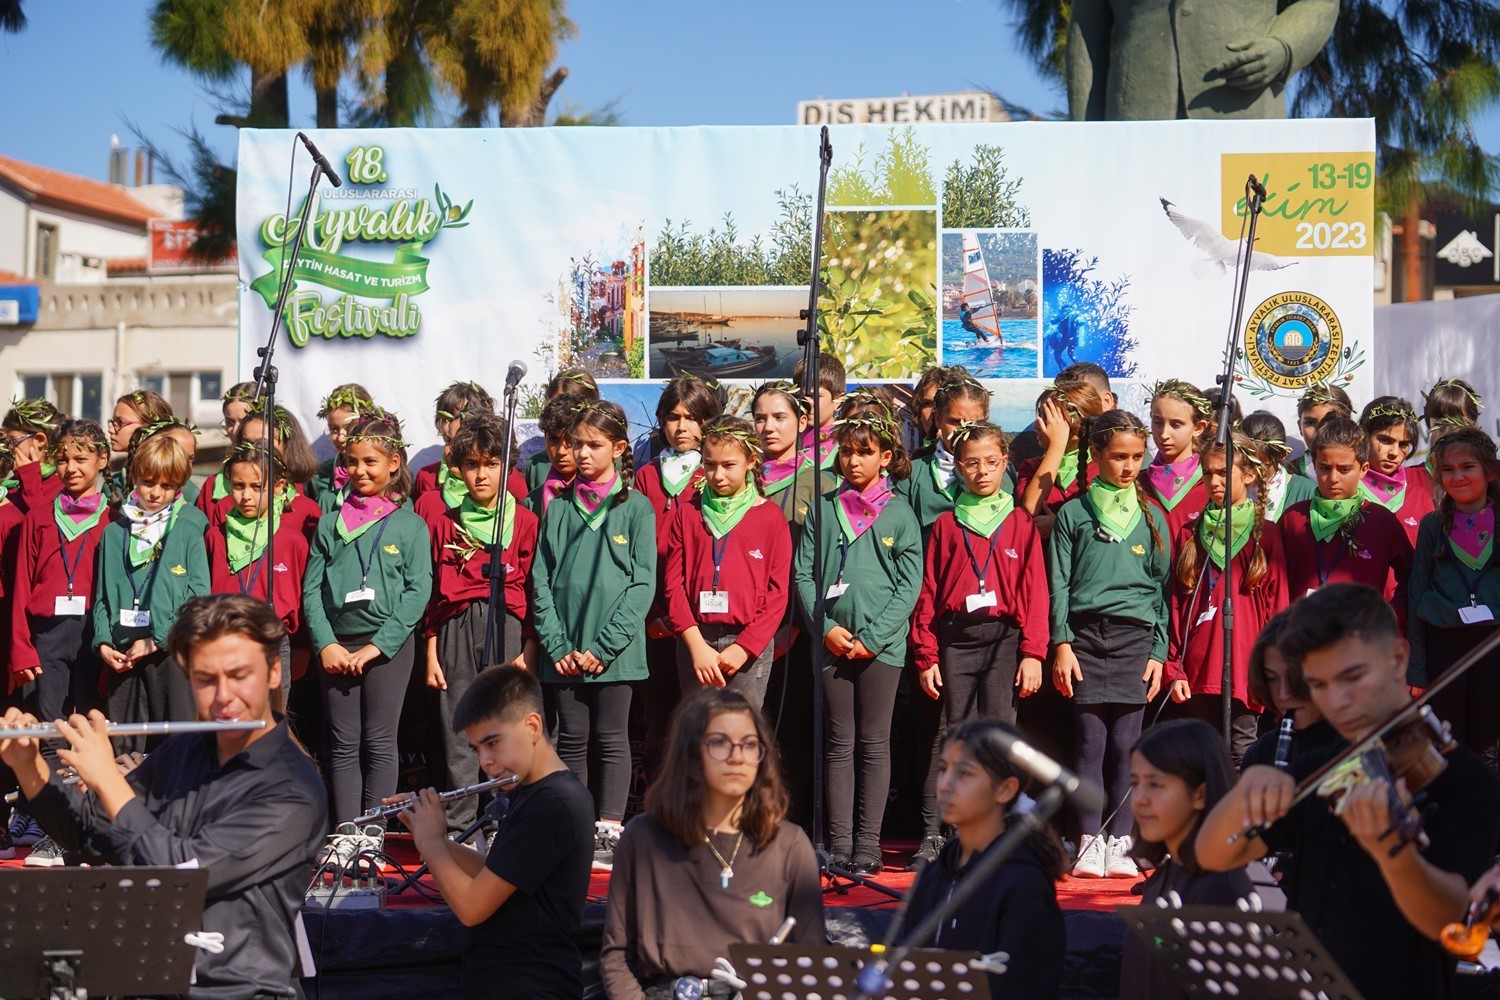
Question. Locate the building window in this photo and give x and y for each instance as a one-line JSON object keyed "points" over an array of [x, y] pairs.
{"points": [[46, 252], [77, 394], [193, 396], [210, 386]]}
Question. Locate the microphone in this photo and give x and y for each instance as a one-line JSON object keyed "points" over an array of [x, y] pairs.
{"points": [[1257, 187], [321, 160], [1086, 795], [515, 375]]}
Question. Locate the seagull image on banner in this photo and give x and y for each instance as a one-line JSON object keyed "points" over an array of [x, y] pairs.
{"points": [[1221, 251]]}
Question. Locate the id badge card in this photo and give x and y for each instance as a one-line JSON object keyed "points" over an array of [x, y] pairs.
{"points": [[70, 606], [362, 596], [1476, 614], [837, 590], [135, 618], [1208, 616], [713, 602], [984, 599]]}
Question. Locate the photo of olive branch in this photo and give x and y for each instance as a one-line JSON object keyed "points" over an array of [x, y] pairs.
{"points": [[877, 307], [899, 175], [450, 215]]}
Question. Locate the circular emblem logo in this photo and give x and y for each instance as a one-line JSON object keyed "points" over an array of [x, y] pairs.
{"points": [[1293, 339]]}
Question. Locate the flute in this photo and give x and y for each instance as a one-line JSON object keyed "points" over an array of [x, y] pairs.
{"points": [[392, 808], [49, 730]]}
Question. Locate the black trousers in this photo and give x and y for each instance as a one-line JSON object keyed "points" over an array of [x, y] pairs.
{"points": [[597, 713], [460, 651], [154, 690], [859, 696], [362, 713], [69, 681]]}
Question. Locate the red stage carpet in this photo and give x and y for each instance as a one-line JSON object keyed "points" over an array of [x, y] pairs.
{"points": [[1101, 894]]}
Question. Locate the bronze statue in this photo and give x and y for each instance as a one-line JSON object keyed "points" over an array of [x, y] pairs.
{"points": [[1163, 59]]}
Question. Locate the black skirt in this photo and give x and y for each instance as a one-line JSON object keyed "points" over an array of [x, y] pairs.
{"points": [[1112, 654]]}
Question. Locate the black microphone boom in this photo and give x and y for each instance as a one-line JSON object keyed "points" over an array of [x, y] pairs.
{"points": [[322, 161], [1086, 795]]}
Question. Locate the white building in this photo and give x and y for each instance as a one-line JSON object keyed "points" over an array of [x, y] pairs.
{"points": [[105, 301]]}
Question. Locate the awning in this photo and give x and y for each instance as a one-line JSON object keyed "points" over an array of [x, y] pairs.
{"points": [[19, 304]]}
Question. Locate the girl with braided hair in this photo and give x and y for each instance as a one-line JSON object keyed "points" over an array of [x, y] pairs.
{"points": [[1195, 649], [1109, 567], [1179, 414], [1390, 422], [727, 569], [934, 480], [1045, 483], [870, 545], [1282, 487], [369, 577], [1454, 590], [593, 581]]}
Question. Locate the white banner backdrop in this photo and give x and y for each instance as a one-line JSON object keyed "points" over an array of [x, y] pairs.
{"points": [[641, 253], [1418, 343]]}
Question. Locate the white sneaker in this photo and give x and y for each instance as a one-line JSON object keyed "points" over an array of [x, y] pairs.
{"points": [[1118, 862], [1092, 857], [348, 842]]}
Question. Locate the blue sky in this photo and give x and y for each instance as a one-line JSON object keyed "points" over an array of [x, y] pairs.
{"points": [[84, 69]]}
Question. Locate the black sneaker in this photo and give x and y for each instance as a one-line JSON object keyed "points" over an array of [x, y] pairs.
{"points": [[866, 861], [606, 836], [932, 846], [46, 854], [7, 848]]}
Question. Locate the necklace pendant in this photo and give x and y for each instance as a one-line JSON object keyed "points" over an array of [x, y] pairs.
{"points": [[725, 874]]}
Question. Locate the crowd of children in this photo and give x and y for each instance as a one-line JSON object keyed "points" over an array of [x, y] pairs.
{"points": [[1068, 581]]}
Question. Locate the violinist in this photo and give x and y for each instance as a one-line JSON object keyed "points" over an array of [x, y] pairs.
{"points": [[1378, 903]]}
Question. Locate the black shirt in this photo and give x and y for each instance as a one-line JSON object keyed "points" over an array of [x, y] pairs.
{"points": [[1142, 978], [1341, 894], [545, 848], [1015, 912], [254, 823]]}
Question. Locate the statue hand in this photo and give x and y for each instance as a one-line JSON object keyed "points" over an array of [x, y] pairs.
{"points": [[1255, 65]]}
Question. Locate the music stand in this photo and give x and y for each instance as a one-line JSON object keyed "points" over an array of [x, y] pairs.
{"points": [[1221, 951], [76, 932], [780, 972]]}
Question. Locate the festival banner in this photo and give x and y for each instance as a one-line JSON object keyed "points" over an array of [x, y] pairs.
{"points": [[640, 253]]}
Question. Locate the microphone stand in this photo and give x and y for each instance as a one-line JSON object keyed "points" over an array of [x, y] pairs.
{"points": [[265, 375], [1255, 194], [494, 622], [810, 341]]}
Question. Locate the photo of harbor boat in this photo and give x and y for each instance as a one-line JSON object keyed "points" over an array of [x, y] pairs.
{"points": [[724, 333]]}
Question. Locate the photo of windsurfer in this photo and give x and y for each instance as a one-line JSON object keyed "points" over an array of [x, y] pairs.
{"points": [[990, 284]]}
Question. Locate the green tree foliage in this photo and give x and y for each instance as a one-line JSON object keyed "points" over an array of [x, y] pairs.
{"points": [[900, 174], [722, 256], [983, 195], [876, 305]]}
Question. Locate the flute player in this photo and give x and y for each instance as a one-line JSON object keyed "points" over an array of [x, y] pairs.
{"points": [[248, 806]]}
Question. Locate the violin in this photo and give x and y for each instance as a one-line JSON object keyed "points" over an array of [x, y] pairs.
{"points": [[1412, 744], [1466, 939]]}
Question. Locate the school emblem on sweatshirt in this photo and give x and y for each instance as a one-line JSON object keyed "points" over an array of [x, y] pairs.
{"points": [[755, 554], [889, 541], [1139, 550], [391, 550], [280, 568], [179, 570], [1012, 554], [761, 899], [619, 539], [1411, 521]]}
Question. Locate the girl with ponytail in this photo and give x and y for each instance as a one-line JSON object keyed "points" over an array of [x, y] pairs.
{"points": [[1108, 569], [1195, 653]]}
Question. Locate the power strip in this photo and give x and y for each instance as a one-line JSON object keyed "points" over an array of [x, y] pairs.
{"points": [[343, 897]]}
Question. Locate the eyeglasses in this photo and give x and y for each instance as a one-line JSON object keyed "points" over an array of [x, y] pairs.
{"points": [[988, 464], [722, 748], [115, 423]]}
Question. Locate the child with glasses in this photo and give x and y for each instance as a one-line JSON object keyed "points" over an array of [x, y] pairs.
{"points": [[711, 862]]}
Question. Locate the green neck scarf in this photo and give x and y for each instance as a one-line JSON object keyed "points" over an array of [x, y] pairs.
{"points": [[1328, 516], [1067, 471], [983, 515], [452, 487], [1118, 509], [677, 469], [479, 522], [245, 538], [721, 514], [220, 487], [1211, 530], [48, 470]]}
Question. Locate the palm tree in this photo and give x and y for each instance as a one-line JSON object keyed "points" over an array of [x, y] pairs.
{"points": [[214, 38], [12, 17], [1423, 69]]}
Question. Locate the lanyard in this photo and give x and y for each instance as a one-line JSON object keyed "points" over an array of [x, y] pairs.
{"points": [[83, 542], [843, 554], [718, 551], [130, 574], [364, 563], [1471, 582], [1323, 574], [979, 571], [256, 563]]}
